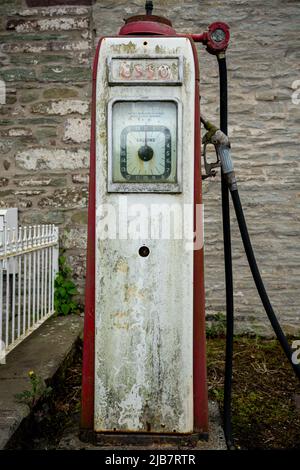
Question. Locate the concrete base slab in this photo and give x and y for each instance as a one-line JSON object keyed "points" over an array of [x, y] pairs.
{"points": [[43, 352], [216, 440]]}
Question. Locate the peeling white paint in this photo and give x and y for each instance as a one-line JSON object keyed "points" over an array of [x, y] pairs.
{"points": [[131, 409], [102, 400]]}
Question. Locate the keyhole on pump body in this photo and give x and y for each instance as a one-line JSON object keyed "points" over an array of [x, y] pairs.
{"points": [[144, 251]]}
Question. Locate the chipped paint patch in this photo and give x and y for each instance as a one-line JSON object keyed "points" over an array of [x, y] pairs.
{"points": [[130, 409]]}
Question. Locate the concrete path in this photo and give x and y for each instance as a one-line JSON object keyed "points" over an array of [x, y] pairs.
{"points": [[43, 352]]}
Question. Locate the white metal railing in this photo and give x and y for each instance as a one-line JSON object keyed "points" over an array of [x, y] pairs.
{"points": [[28, 265]]}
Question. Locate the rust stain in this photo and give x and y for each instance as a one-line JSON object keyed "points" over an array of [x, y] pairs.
{"points": [[121, 266], [160, 49], [120, 314], [128, 48], [120, 320], [133, 292]]}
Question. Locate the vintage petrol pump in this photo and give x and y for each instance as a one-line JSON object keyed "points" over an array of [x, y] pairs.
{"points": [[144, 365]]}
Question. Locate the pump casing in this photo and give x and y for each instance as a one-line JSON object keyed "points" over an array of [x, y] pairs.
{"points": [[144, 366]]}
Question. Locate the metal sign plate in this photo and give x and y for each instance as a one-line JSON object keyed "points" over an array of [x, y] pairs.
{"points": [[146, 70]]}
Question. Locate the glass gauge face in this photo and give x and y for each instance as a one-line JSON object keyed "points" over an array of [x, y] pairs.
{"points": [[144, 141]]}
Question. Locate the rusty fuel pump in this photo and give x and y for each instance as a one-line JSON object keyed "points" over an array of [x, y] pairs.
{"points": [[144, 364]]}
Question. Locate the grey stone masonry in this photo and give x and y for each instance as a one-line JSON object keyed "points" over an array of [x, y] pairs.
{"points": [[45, 62]]}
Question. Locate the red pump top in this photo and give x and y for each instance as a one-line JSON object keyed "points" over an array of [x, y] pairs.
{"points": [[147, 24], [216, 38]]}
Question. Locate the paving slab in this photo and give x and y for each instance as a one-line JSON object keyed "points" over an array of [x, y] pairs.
{"points": [[43, 351]]}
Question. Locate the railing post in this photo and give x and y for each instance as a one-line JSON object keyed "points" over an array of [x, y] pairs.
{"points": [[55, 254]]}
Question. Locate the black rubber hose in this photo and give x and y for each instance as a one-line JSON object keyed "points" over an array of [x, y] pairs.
{"points": [[258, 280], [227, 262]]}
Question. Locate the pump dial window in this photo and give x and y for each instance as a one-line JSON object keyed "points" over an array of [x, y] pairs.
{"points": [[144, 141]]}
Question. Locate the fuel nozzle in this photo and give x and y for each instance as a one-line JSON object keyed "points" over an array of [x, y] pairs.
{"points": [[221, 143]]}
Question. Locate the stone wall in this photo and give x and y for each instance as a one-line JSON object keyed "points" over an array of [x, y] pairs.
{"points": [[45, 58]]}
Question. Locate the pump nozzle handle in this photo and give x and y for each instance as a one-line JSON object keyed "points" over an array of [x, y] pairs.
{"points": [[222, 145]]}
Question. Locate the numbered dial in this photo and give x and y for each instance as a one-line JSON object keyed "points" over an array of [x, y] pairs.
{"points": [[145, 149], [146, 153]]}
